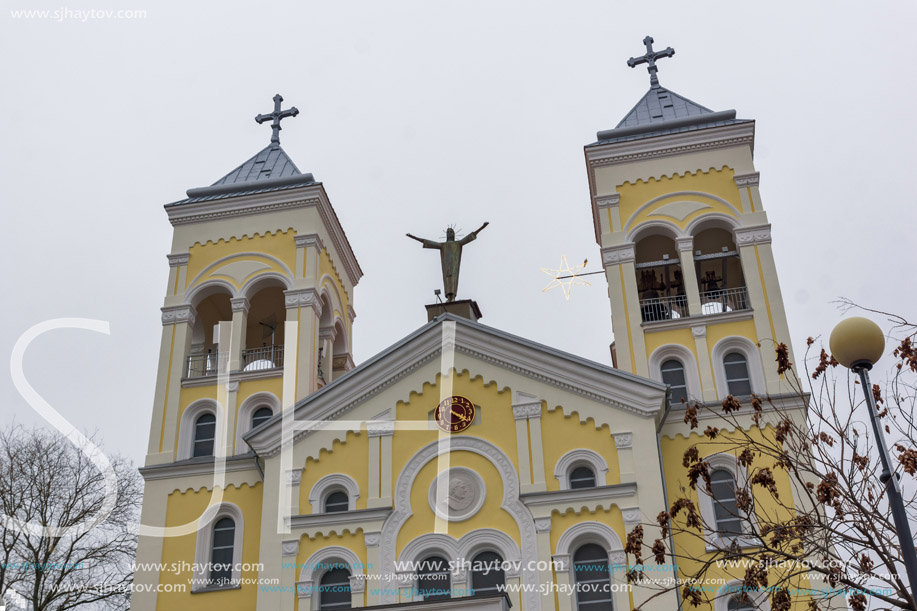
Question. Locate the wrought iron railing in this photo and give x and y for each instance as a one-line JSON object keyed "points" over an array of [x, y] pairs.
{"points": [[259, 359], [663, 308], [724, 300], [203, 365]]}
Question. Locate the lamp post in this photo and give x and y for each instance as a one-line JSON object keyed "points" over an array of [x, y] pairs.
{"points": [[857, 343]]}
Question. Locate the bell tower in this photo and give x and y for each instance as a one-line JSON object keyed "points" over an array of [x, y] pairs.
{"points": [[686, 246], [258, 308]]}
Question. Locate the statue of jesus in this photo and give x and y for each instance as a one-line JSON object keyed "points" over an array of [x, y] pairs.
{"points": [[450, 253]]}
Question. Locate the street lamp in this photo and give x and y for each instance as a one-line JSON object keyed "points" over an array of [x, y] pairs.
{"points": [[857, 343]]}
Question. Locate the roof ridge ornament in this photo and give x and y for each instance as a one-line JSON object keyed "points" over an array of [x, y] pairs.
{"points": [[650, 59], [275, 118]]}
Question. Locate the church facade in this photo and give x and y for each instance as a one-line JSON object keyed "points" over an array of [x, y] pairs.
{"points": [[463, 466]]}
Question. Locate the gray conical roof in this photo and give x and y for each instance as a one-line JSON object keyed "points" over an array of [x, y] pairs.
{"points": [[270, 162], [659, 104]]}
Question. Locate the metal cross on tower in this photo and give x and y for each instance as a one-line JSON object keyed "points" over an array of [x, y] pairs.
{"points": [[277, 115], [650, 59]]}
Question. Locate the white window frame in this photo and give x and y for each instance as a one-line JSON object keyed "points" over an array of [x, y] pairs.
{"points": [[602, 535], [334, 483], [684, 356], [581, 457], [714, 540], [189, 416], [721, 602], [204, 541], [307, 588], [244, 418], [744, 346]]}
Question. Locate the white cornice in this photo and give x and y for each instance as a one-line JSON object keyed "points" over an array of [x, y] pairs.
{"points": [[572, 374], [239, 304], [693, 321], [259, 203], [178, 259], [309, 239], [560, 498], [616, 255], [303, 298], [747, 236], [671, 144], [607, 201], [750, 179], [339, 519], [177, 314], [194, 468]]}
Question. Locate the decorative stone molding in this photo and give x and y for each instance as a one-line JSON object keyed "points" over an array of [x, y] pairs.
{"points": [[357, 583], [289, 548], [179, 259], [309, 239], [747, 180], [233, 386], [699, 331], [526, 411], [380, 428], [333, 483], [685, 243], [328, 333], [747, 236], [616, 255], [580, 457], [617, 558], [624, 440], [631, 516], [561, 562], [607, 201], [303, 298], [457, 494], [294, 477], [371, 539], [240, 304], [172, 315], [542, 525]]}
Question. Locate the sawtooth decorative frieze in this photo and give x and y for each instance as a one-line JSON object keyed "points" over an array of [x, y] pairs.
{"points": [[616, 255], [177, 314], [748, 236]]}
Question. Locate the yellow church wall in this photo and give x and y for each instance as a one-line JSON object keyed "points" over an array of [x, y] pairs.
{"points": [[491, 514], [691, 547], [743, 328], [682, 337], [715, 182], [494, 420], [187, 507], [351, 541], [350, 457], [326, 267], [279, 244], [562, 432]]}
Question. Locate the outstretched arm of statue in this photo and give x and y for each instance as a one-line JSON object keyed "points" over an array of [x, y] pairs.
{"points": [[426, 243], [474, 234]]}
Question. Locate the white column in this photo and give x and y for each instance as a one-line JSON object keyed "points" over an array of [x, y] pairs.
{"points": [[561, 564], [178, 324], [527, 412], [240, 307], [708, 384], [178, 271], [543, 543], [374, 567], [380, 434], [303, 310], [624, 444], [689, 274], [289, 553]]}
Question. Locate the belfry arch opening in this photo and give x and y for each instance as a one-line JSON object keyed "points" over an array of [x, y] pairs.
{"points": [[212, 308], [719, 272], [660, 280], [264, 328]]}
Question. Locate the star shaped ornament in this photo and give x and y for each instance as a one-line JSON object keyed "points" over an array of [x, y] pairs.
{"points": [[565, 277]]}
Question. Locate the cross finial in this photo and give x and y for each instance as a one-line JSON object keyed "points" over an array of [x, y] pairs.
{"points": [[650, 59], [277, 115]]}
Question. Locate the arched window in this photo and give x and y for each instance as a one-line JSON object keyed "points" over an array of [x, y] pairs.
{"points": [[336, 502], [673, 374], [736, 367], [487, 576], [261, 415], [593, 579], [726, 512], [334, 589], [205, 428], [737, 603], [221, 551], [434, 582], [582, 477]]}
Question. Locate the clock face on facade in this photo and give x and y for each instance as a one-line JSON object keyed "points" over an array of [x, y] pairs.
{"points": [[454, 414]]}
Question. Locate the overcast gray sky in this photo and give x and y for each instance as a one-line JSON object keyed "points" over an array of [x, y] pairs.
{"points": [[417, 114]]}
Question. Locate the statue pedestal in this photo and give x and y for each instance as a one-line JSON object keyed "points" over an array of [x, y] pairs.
{"points": [[466, 308]]}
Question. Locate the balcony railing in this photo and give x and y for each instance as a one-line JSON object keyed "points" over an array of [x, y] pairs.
{"points": [[203, 365], [663, 308], [724, 300], [260, 359], [254, 359]]}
